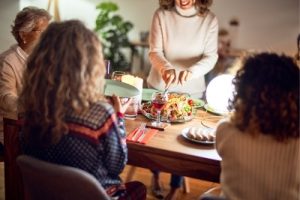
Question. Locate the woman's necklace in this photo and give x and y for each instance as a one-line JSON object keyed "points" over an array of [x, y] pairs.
{"points": [[191, 12]]}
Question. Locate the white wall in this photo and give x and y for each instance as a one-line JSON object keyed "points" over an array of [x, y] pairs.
{"points": [[264, 24], [8, 10]]}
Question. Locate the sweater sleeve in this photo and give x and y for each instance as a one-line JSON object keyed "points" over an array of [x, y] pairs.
{"points": [[8, 90], [115, 148], [156, 54], [210, 55]]}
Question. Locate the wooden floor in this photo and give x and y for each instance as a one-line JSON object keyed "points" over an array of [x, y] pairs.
{"points": [[197, 187]]}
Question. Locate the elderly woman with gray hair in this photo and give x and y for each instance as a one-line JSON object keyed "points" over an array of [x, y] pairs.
{"points": [[28, 25]]}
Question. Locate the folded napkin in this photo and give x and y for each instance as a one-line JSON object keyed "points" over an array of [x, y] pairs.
{"points": [[141, 136]]}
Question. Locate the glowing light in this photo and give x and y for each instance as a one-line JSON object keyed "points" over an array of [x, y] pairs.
{"points": [[219, 91]]}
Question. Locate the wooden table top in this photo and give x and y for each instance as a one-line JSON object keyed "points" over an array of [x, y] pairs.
{"points": [[169, 151]]}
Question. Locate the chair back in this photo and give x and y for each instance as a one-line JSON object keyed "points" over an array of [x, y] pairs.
{"points": [[210, 197], [12, 176], [48, 181]]}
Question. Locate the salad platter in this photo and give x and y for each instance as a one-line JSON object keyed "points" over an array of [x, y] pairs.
{"points": [[178, 109]]}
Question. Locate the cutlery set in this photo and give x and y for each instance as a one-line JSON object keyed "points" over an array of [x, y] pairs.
{"points": [[141, 134]]}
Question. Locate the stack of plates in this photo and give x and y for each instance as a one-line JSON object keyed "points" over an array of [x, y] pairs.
{"points": [[119, 89]]}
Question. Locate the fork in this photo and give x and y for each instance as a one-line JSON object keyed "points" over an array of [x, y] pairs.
{"points": [[140, 139], [139, 132]]}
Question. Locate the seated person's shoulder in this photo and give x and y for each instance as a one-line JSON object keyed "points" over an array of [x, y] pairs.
{"points": [[224, 123], [8, 56], [94, 117]]}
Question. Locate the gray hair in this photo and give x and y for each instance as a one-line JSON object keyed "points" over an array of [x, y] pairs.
{"points": [[26, 20]]}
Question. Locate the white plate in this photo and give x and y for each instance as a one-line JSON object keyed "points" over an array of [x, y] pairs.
{"points": [[119, 89], [214, 111], [184, 134]]}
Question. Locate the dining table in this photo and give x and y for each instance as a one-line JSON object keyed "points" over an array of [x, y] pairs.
{"points": [[169, 151]]}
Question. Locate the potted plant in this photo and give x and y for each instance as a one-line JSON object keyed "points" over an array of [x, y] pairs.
{"points": [[113, 30]]}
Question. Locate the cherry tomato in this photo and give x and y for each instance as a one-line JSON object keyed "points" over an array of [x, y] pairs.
{"points": [[190, 102]]}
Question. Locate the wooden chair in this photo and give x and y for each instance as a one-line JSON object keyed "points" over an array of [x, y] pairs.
{"points": [[13, 181], [48, 181]]}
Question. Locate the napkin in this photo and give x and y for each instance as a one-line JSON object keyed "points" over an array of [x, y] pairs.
{"points": [[139, 137]]}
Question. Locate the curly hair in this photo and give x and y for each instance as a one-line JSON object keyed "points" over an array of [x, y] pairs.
{"points": [[202, 5], [266, 98], [27, 19], [65, 71]]}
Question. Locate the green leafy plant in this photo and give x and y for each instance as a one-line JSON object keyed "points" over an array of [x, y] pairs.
{"points": [[113, 30]]}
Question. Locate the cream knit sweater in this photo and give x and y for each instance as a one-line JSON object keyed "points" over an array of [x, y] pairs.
{"points": [[182, 43], [12, 67], [257, 168]]}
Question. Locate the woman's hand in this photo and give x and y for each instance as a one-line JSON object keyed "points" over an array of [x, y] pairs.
{"points": [[169, 76], [118, 106], [184, 76]]}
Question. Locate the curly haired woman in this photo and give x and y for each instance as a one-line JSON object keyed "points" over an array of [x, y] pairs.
{"points": [[67, 120], [259, 145]]}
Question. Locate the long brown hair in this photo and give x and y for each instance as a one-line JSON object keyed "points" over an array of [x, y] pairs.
{"points": [[202, 5], [267, 96], [65, 71]]}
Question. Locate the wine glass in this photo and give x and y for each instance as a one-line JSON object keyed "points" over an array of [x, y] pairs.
{"points": [[159, 99]]}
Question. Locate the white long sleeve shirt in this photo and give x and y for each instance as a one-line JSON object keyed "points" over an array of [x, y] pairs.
{"points": [[182, 43], [259, 167]]}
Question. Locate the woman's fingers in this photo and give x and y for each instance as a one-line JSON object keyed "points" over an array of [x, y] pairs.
{"points": [[183, 76], [169, 77]]}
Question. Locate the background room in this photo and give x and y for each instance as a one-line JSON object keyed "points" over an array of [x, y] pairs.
{"points": [[271, 25]]}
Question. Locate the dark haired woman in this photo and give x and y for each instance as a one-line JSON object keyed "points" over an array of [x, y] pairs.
{"points": [[259, 145]]}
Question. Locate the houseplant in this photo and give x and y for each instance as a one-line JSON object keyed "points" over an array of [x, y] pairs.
{"points": [[113, 30]]}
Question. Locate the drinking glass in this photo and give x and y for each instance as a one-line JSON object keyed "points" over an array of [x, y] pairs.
{"points": [[159, 99]]}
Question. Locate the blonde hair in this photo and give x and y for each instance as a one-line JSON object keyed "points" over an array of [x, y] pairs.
{"points": [[202, 5], [65, 71]]}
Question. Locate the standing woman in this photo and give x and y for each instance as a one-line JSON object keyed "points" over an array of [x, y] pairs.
{"points": [[183, 48], [27, 28], [183, 45], [67, 120]]}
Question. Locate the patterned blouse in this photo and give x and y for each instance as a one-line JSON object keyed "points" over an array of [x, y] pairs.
{"points": [[96, 143]]}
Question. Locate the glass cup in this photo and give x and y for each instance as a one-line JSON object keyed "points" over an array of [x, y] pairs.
{"points": [[133, 107]]}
